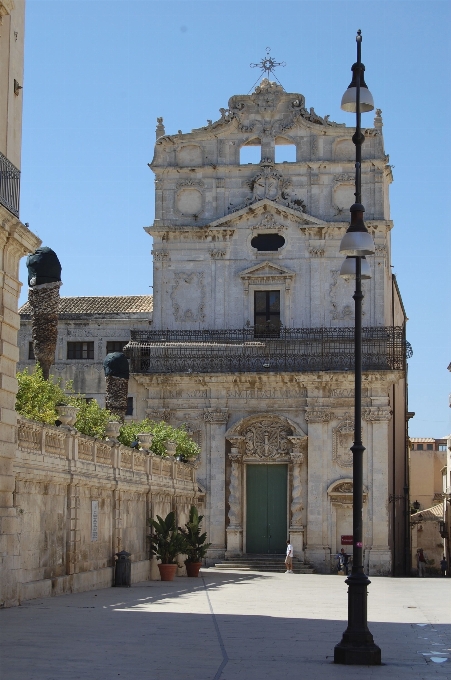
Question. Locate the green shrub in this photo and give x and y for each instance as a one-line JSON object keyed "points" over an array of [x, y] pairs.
{"points": [[162, 432], [91, 418], [37, 398]]}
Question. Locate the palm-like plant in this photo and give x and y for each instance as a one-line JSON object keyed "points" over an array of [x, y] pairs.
{"points": [[195, 546], [165, 542]]}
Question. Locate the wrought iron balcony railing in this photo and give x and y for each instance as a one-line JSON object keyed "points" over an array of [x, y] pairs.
{"points": [[243, 350], [9, 185]]}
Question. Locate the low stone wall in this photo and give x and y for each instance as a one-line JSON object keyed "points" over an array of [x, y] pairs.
{"points": [[80, 500]]}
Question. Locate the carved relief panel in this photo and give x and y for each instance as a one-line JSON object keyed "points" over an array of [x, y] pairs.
{"points": [[188, 296]]}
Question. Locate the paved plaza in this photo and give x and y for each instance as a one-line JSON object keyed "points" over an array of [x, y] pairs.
{"points": [[226, 626]]}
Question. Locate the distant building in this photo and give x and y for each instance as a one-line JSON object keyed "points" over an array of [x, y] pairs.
{"points": [[427, 473], [88, 329]]}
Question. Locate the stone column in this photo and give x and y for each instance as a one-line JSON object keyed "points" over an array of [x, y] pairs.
{"points": [[317, 550], [216, 420], [235, 528], [299, 444]]}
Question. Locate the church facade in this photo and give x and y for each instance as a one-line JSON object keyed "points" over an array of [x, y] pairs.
{"points": [[251, 342]]}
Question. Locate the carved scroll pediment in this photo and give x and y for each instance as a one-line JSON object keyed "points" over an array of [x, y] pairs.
{"points": [[267, 272]]}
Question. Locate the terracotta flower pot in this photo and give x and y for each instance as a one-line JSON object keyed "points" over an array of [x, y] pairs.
{"points": [[167, 571], [192, 568]]}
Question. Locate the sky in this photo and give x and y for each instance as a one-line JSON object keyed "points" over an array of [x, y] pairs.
{"points": [[99, 72]]}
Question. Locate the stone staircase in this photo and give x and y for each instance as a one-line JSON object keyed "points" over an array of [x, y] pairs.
{"points": [[274, 563]]}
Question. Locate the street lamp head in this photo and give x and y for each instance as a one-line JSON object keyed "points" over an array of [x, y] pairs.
{"points": [[349, 99], [357, 241], [348, 269]]}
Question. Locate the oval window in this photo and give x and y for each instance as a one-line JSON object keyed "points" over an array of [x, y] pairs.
{"points": [[268, 242]]}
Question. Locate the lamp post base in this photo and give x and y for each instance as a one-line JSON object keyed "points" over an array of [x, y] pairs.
{"points": [[357, 647]]}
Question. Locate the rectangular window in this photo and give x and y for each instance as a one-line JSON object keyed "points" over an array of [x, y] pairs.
{"points": [[129, 411], [31, 356], [419, 447], [442, 447], [115, 346], [80, 350], [429, 447], [267, 313]]}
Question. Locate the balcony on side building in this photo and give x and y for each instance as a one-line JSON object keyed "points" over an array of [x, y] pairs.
{"points": [[9, 185], [269, 349]]}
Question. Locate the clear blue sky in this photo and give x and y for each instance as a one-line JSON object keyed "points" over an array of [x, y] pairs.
{"points": [[99, 72]]}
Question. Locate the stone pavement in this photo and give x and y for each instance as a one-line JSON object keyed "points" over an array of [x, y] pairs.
{"points": [[226, 626]]}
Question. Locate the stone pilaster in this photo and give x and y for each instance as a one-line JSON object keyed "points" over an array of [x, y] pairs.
{"points": [[73, 538], [379, 557], [299, 444], [235, 527], [216, 422], [317, 550]]}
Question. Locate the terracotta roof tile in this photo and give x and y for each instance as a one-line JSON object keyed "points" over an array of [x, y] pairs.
{"points": [[114, 304]]}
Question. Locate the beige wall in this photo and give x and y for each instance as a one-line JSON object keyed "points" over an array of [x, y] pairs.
{"points": [[426, 476], [59, 474], [15, 242], [12, 15]]}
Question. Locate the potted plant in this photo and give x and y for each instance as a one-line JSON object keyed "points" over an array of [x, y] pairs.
{"points": [[67, 414], [166, 543], [195, 546]]}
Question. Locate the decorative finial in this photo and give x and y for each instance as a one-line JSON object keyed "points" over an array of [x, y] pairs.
{"points": [[268, 64]]}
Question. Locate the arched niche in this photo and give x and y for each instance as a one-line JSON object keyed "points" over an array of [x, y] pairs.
{"points": [[344, 150], [190, 155]]}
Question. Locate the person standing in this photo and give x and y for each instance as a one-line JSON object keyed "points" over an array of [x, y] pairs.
{"points": [[421, 562], [289, 558], [344, 561]]}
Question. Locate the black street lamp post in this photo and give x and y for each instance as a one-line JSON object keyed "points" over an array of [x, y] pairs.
{"points": [[357, 646]]}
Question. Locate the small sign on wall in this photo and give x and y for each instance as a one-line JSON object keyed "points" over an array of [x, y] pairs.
{"points": [[94, 520], [346, 540]]}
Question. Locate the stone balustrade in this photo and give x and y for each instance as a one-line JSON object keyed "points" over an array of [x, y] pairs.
{"points": [[73, 447]]}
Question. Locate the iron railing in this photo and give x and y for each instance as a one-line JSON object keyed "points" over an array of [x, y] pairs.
{"points": [[9, 185], [239, 350]]}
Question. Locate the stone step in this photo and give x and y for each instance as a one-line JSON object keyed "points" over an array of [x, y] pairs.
{"points": [[269, 568], [271, 563]]}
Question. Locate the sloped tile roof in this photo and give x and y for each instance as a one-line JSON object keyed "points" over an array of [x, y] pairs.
{"points": [[429, 515], [114, 304]]}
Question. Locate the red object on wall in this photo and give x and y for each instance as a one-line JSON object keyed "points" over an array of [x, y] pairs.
{"points": [[347, 540]]}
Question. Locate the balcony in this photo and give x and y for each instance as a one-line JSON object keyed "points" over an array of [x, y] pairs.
{"points": [[283, 349], [9, 185]]}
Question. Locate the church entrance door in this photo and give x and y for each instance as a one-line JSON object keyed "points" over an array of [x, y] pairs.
{"points": [[266, 508]]}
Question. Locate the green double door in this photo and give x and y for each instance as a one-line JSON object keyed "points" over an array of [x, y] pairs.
{"points": [[266, 508]]}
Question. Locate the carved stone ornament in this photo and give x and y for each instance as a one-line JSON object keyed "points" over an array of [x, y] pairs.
{"points": [[298, 448], [188, 296], [267, 440], [342, 440], [267, 273], [377, 414], [271, 185], [341, 492], [318, 415], [315, 251], [268, 222], [344, 177], [216, 415], [159, 414]]}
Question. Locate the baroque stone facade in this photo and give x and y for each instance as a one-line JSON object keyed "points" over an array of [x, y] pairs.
{"points": [[210, 273]]}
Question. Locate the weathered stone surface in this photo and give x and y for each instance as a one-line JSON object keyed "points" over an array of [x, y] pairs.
{"points": [[116, 395], [44, 300]]}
